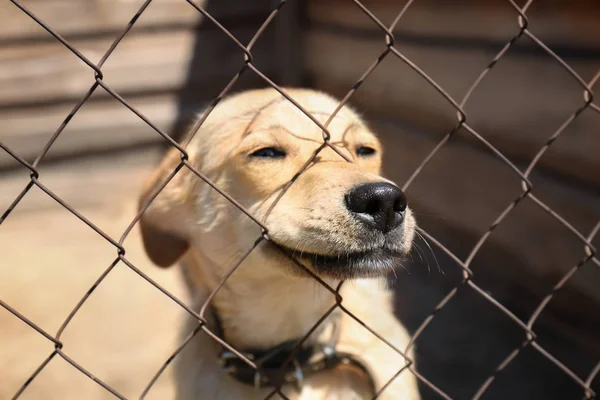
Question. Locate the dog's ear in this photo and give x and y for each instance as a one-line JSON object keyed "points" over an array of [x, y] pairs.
{"points": [[164, 221]]}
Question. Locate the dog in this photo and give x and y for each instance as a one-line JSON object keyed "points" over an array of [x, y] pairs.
{"points": [[338, 220]]}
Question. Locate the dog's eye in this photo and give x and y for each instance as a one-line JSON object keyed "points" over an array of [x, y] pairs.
{"points": [[365, 151], [268, 152]]}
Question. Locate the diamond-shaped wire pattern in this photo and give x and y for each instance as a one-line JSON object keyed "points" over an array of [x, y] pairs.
{"points": [[387, 37]]}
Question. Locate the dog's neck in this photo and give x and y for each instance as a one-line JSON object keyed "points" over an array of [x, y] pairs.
{"points": [[262, 309]]}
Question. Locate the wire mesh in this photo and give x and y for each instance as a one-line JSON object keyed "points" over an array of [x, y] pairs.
{"points": [[387, 36]]}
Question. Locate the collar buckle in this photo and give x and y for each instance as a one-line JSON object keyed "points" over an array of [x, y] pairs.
{"points": [[257, 379], [226, 356], [298, 375]]}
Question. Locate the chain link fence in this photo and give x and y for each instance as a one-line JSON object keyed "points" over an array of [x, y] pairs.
{"points": [[588, 257]]}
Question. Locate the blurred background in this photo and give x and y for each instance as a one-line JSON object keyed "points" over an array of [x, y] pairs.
{"points": [[174, 61]]}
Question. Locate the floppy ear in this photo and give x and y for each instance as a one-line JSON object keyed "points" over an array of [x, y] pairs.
{"points": [[164, 221]]}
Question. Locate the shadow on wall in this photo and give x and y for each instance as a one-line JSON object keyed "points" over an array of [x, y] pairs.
{"points": [[469, 338], [276, 54]]}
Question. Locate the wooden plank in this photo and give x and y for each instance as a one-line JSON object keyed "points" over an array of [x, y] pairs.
{"points": [[103, 125], [518, 106], [76, 17], [143, 62], [570, 24], [98, 125]]}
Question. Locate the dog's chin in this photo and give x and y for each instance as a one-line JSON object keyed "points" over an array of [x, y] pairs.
{"points": [[367, 264]]}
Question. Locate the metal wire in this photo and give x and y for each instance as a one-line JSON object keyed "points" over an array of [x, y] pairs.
{"points": [[589, 256]]}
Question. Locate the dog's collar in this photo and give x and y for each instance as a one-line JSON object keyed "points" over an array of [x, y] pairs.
{"points": [[271, 372], [269, 363]]}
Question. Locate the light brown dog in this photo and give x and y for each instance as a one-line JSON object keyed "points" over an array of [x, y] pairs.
{"points": [[339, 219]]}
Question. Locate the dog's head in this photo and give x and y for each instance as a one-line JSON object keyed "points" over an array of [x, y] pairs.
{"points": [[340, 219]]}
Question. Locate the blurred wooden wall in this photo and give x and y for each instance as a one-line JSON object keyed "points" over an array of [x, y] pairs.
{"points": [[170, 64], [525, 98]]}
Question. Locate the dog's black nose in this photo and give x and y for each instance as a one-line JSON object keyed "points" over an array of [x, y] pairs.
{"points": [[380, 205]]}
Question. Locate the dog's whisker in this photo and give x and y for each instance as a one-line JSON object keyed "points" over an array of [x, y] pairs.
{"points": [[421, 254], [423, 259], [394, 272], [432, 252], [419, 251], [404, 268]]}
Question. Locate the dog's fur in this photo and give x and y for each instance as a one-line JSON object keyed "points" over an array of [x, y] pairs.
{"points": [[269, 299]]}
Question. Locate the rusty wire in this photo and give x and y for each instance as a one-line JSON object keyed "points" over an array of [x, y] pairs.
{"points": [[529, 340]]}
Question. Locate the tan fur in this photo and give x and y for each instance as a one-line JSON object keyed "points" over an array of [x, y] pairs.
{"points": [[268, 300]]}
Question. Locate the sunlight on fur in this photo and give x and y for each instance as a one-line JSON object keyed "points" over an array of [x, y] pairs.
{"points": [[341, 220]]}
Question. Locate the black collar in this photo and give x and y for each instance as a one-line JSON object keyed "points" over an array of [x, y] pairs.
{"points": [[272, 370]]}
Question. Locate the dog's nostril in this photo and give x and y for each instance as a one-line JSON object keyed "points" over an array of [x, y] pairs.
{"points": [[380, 204], [400, 203], [372, 207]]}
